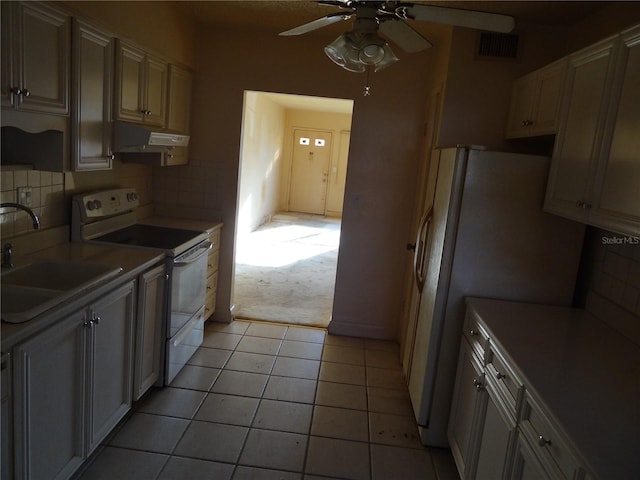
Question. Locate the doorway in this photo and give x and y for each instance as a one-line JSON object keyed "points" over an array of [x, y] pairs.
{"points": [[291, 188]]}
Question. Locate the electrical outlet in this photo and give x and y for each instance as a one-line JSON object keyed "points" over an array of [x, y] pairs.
{"points": [[24, 196]]}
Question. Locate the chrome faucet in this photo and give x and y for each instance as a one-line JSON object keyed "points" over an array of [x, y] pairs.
{"points": [[34, 217], [7, 249]]}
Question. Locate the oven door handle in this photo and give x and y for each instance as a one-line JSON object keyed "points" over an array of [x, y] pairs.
{"points": [[191, 257]]}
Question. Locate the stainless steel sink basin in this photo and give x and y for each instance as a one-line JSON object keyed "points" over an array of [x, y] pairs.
{"points": [[33, 289]]}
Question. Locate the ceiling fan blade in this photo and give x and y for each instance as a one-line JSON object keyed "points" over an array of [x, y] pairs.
{"points": [[315, 24], [455, 16], [406, 37]]}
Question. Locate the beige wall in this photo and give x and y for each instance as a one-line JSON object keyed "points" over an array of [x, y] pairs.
{"points": [[336, 123], [385, 141], [262, 156], [477, 91]]}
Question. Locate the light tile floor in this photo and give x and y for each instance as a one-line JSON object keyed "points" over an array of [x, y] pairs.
{"points": [[267, 401]]}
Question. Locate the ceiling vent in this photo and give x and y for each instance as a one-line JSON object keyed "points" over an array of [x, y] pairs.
{"points": [[498, 46]]}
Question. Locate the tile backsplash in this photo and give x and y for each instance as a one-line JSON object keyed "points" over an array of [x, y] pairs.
{"points": [[47, 199], [612, 280]]}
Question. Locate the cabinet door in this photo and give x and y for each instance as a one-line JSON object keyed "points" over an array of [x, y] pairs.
{"points": [[469, 401], [576, 151], [176, 156], [156, 75], [497, 434], [38, 60], [526, 465], [48, 401], [546, 108], [618, 185], [179, 107], [6, 420], [149, 333], [92, 97], [129, 94], [110, 362], [520, 109], [7, 49]]}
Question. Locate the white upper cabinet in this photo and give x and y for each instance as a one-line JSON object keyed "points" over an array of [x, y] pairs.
{"points": [[535, 102], [179, 99], [35, 58], [617, 188], [595, 170], [92, 90], [141, 86]]}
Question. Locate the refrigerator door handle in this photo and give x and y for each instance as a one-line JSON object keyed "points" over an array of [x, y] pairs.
{"points": [[420, 250]]}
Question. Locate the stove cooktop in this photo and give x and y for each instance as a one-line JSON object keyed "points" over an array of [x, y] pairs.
{"points": [[149, 236]]}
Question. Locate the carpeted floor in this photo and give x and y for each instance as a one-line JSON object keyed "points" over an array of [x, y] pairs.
{"points": [[285, 270]]}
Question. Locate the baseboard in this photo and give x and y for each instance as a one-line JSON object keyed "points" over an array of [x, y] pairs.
{"points": [[357, 329]]}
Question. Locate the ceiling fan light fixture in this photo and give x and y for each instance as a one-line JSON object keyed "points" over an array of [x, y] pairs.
{"points": [[354, 52], [342, 53], [389, 58]]}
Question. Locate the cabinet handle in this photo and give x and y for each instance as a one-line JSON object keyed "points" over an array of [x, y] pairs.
{"points": [[88, 323], [96, 320], [478, 384], [473, 332], [543, 442], [25, 92], [526, 123], [579, 204], [587, 206], [500, 376]]}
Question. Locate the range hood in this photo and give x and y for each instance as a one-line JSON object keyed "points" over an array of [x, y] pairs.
{"points": [[129, 137]]}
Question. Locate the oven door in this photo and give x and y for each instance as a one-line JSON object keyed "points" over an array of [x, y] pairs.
{"points": [[188, 286]]}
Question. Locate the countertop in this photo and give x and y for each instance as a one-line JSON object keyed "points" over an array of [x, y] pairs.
{"points": [[586, 373], [132, 261]]}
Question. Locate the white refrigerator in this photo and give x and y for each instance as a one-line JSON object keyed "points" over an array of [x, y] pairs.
{"points": [[482, 233]]}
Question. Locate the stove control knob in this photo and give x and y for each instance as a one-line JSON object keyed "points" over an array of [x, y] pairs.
{"points": [[132, 196], [91, 205], [97, 203]]}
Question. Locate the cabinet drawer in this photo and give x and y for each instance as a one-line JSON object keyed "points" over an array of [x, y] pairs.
{"points": [[212, 283], [547, 442], [214, 238], [476, 335], [508, 384], [212, 263]]}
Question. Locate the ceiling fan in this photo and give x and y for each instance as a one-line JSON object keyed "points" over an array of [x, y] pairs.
{"points": [[362, 47]]}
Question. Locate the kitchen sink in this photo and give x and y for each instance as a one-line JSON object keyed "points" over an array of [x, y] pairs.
{"points": [[35, 288]]}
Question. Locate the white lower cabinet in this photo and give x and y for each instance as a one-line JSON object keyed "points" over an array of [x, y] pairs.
{"points": [[72, 385], [495, 438], [525, 464], [149, 332], [481, 426], [497, 428], [469, 402]]}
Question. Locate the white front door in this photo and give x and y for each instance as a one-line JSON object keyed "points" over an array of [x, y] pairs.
{"points": [[309, 171]]}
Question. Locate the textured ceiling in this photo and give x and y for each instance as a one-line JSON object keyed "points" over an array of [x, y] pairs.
{"points": [[277, 16]]}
